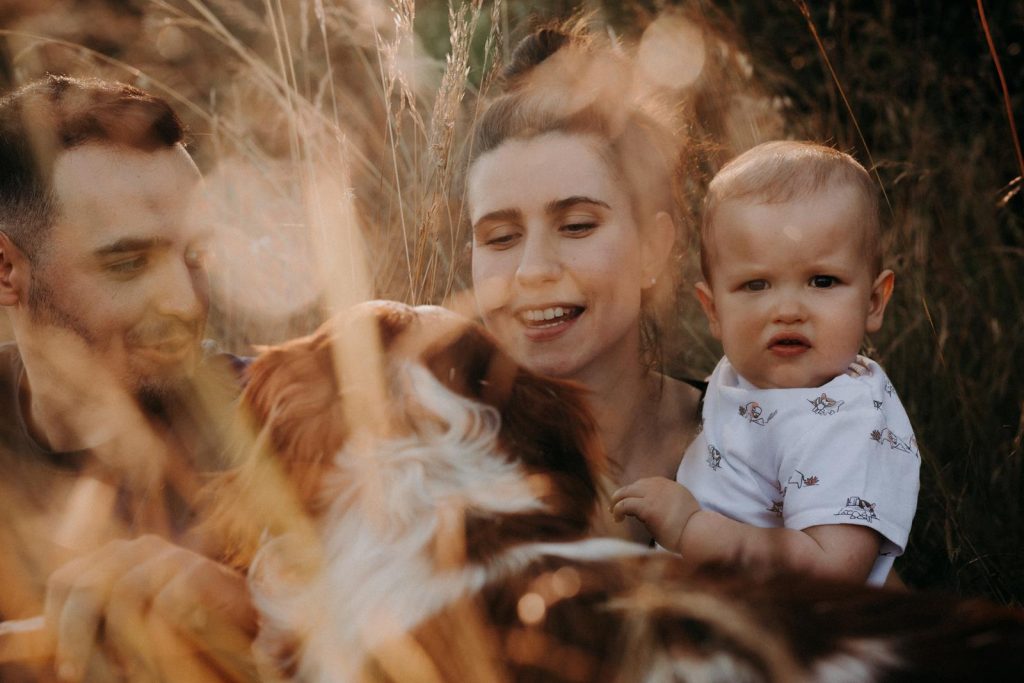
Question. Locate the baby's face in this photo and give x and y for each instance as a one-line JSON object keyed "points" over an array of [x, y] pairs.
{"points": [[792, 290]]}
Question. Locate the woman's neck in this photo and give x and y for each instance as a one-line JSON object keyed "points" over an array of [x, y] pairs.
{"points": [[624, 406]]}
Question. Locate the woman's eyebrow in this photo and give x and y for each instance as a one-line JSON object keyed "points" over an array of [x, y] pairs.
{"points": [[499, 215], [562, 204]]}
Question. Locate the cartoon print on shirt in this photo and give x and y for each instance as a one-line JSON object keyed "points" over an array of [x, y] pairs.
{"points": [[859, 509], [888, 388], [878, 405], [895, 442], [823, 405], [804, 480], [755, 413], [714, 459], [776, 507]]}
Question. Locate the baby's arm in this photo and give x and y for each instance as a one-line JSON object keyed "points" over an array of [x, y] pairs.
{"points": [[840, 551], [675, 519]]}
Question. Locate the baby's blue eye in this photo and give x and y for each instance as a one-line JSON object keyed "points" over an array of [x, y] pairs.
{"points": [[823, 281]]}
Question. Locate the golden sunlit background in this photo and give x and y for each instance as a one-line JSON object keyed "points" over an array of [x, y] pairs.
{"points": [[331, 134]]}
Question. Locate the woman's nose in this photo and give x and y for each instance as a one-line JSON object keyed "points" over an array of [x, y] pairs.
{"points": [[539, 262]]}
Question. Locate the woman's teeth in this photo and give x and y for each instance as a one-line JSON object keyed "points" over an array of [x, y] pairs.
{"points": [[546, 314]]}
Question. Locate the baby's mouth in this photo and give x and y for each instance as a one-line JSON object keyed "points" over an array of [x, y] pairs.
{"points": [[550, 316], [789, 342]]}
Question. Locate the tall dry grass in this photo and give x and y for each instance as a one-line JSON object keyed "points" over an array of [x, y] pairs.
{"points": [[330, 132]]}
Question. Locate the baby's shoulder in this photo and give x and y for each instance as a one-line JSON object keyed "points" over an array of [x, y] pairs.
{"points": [[873, 382]]}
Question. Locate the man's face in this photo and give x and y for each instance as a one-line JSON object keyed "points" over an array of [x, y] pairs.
{"points": [[122, 267]]}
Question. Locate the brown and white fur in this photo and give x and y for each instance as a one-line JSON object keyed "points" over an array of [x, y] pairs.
{"points": [[453, 540]]}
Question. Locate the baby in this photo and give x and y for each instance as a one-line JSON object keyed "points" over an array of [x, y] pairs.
{"points": [[806, 458]]}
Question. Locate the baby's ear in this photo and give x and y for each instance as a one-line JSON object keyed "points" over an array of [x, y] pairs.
{"points": [[881, 291], [707, 302]]}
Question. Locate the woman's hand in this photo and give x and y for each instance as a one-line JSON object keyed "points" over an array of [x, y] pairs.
{"points": [[149, 610], [664, 506]]}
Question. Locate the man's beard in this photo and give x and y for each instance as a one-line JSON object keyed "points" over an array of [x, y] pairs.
{"points": [[44, 310], [151, 391]]}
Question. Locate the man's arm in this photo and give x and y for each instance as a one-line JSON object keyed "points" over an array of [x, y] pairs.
{"points": [[167, 614]]}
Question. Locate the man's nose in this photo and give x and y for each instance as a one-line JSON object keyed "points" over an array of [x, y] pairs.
{"points": [[183, 291]]}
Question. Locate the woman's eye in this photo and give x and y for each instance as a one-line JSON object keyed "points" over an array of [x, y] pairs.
{"points": [[500, 240], [578, 228], [823, 281], [755, 285]]}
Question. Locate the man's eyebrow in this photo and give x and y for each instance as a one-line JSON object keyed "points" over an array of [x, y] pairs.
{"points": [[499, 215], [563, 204], [129, 244]]}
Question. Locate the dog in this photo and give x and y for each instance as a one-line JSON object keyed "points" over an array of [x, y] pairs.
{"points": [[418, 507]]}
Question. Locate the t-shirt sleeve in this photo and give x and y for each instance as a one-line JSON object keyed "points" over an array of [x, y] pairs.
{"points": [[854, 460]]}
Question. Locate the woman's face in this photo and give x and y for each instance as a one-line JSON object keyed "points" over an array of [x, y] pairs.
{"points": [[558, 262]]}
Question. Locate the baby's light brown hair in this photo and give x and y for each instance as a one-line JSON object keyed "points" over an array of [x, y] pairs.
{"points": [[784, 170]]}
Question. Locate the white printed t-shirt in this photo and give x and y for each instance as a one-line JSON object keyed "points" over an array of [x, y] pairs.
{"points": [[841, 453]]}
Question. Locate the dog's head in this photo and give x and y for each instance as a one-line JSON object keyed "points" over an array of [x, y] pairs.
{"points": [[335, 406]]}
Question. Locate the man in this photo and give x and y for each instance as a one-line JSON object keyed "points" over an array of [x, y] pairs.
{"points": [[109, 410]]}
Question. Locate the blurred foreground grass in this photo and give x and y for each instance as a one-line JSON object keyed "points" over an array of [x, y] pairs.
{"points": [[283, 95]]}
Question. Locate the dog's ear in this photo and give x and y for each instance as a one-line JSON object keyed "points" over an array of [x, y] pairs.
{"points": [[473, 366], [293, 394], [547, 424], [547, 429], [289, 425]]}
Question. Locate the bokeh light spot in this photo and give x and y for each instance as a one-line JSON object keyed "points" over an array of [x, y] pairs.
{"points": [[531, 608], [671, 52]]}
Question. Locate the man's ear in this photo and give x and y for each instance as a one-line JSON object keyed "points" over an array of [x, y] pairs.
{"points": [[881, 291], [707, 302], [657, 248], [13, 272]]}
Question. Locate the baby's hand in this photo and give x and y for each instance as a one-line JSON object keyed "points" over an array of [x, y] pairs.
{"points": [[663, 505], [859, 367]]}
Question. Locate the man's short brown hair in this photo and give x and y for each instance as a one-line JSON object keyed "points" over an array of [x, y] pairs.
{"points": [[781, 171], [57, 113]]}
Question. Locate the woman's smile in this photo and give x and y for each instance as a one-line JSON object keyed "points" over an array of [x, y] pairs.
{"points": [[557, 255]]}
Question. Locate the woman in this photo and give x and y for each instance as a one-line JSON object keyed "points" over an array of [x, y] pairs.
{"points": [[573, 213]]}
